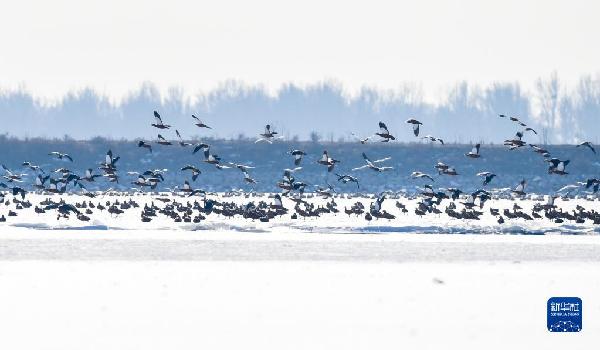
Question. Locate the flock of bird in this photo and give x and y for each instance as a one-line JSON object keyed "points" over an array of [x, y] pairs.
{"points": [[429, 199]]}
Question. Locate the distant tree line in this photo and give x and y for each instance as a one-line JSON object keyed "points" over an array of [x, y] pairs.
{"points": [[321, 112]]}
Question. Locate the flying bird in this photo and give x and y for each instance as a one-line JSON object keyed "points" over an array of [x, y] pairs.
{"points": [[181, 142], [327, 161], [146, 145], [557, 166], [158, 122], [347, 178], [587, 144], [540, 150], [162, 141], [268, 136], [361, 140], [488, 176], [474, 153], [199, 123], [433, 139], [59, 155], [371, 164], [195, 171], [298, 154], [384, 133], [415, 123], [32, 167], [420, 175]]}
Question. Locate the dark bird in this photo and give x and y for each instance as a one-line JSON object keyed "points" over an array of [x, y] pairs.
{"points": [[347, 178], [415, 123], [146, 145], [200, 146], [441, 167], [327, 161], [18, 190], [384, 133], [433, 139], [474, 153], [298, 154], [89, 177], [181, 142], [213, 159], [557, 166], [162, 141], [195, 171], [247, 176], [540, 150], [40, 181], [449, 171], [199, 123], [514, 119], [33, 167], [268, 136], [587, 144], [109, 161], [488, 177], [159, 123]]}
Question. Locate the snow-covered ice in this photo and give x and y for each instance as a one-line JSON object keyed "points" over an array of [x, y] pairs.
{"points": [[326, 223], [119, 283]]}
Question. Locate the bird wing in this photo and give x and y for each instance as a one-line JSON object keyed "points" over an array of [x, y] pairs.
{"points": [[589, 145], [157, 117], [383, 128], [416, 129], [382, 160], [361, 167]]}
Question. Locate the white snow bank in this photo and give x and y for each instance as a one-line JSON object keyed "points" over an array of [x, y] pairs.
{"points": [[291, 305]]}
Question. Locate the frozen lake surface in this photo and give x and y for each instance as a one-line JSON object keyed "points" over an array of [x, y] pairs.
{"points": [[336, 281], [165, 290]]}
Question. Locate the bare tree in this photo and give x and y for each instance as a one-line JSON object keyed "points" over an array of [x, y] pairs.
{"points": [[315, 137], [548, 100]]}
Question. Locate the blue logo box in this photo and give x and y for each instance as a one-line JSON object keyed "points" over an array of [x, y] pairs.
{"points": [[564, 314]]}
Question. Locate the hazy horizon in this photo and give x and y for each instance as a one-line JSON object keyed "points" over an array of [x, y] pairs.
{"points": [[468, 114], [99, 68]]}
